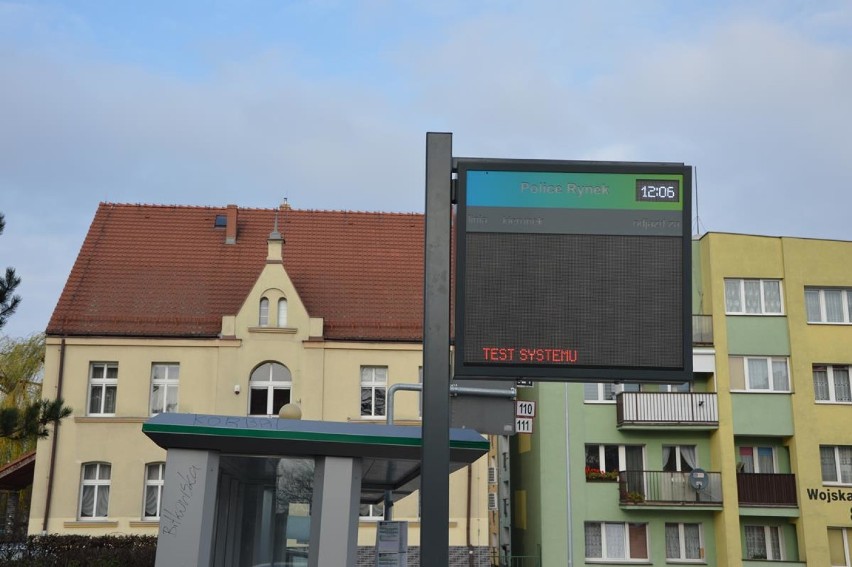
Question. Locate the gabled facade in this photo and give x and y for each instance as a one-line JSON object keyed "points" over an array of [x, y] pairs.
{"points": [[768, 420], [230, 312]]}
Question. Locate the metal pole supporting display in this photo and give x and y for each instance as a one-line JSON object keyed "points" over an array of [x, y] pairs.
{"points": [[435, 465]]}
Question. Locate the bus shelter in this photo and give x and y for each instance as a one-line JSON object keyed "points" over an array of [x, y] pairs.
{"points": [[270, 492]]}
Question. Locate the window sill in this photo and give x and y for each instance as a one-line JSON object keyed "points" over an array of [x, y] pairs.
{"points": [[756, 314], [368, 419], [832, 403], [109, 419], [91, 524], [274, 330], [841, 323], [787, 392], [145, 524]]}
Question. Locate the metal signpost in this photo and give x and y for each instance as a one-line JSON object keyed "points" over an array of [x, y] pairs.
{"points": [[565, 271]]}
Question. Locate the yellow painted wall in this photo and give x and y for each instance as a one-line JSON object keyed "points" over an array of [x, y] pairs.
{"points": [[326, 384]]}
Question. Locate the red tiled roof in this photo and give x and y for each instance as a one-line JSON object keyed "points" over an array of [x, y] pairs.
{"points": [[165, 271]]}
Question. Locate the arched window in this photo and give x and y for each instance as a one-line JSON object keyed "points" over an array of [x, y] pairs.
{"points": [[263, 315], [269, 388], [282, 312]]}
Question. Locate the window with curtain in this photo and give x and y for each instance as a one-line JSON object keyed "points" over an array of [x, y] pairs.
{"points": [[154, 480], [757, 459], [836, 464], [94, 490], [760, 374], [164, 387], [263, 312], [103, 386], [374, 382], [840, 547], [606, 392], [753, 297], [683, 541], [615, 540], [764, 542], [679, 458], [372, 512], [282, 312], [269, 389], [829, 305], [831, 384]]}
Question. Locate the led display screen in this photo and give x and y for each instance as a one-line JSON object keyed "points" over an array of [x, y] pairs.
{"points": [[573, 271]]}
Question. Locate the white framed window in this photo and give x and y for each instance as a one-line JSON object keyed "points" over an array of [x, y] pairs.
{"points": [[753, 297], [164, 387], [606, 392], [372, 512], [840, 547], [758, 459], [103, 386], [282, 312], [616, 541], [155, 474], [761, 374], [94, 490], [829, 305], [679, 458], [610, 458], [684, 542], [836, 464], [263, 312], [269, 389], [831, 384], [764, 542], [374, 382]]}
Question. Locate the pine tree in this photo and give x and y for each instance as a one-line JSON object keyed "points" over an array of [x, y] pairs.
{"points": [[23, 416], [8, 301]]}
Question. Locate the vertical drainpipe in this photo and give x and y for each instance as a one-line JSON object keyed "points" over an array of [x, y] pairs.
{"points": [[55, 440], [570, 522], [470, 558]]}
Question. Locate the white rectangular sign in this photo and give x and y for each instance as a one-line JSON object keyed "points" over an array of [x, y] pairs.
{"points": [[523, 425], [524, 408]]}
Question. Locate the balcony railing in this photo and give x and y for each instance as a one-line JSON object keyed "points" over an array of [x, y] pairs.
{"points": [[667, 408], [702, 330], [761, 489], [657, 488]]}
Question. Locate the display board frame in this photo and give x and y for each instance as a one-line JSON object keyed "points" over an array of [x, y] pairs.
{"points": [[607, 205]]}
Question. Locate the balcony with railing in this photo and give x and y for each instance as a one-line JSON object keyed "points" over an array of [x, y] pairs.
{"points": [[666, 489], [650, 410], [769, 490]]}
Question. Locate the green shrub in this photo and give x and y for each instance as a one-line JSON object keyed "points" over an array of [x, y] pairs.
{"points": [[80, 551]]}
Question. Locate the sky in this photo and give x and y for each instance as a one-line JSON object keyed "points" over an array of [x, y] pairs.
{"points": [[326, 103]]}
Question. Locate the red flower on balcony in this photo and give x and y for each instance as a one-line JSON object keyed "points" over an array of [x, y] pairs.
{"points": [[600, 474]]}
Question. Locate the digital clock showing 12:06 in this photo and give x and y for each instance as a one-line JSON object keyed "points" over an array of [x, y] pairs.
{"points": [[666, 190]]}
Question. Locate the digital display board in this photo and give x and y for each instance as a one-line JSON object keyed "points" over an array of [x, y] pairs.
{"points": [[573, 271]]}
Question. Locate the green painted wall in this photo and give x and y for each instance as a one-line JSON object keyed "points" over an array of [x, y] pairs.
{"points": [[758, 335], [775, 417]]}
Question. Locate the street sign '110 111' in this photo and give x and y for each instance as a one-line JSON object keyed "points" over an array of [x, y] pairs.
{"points": [[573, 271]]}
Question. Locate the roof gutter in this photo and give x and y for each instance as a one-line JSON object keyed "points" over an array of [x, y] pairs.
{"points": [[55, 440]]}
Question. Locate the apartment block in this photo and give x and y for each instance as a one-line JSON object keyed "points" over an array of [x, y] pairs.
{"points": [[749, 464]]}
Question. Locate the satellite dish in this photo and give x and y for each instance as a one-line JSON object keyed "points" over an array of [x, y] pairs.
{"points": [[698, 479]]}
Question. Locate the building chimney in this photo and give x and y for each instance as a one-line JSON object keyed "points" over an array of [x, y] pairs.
{"points": [[231, 227], [275, 244]]}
